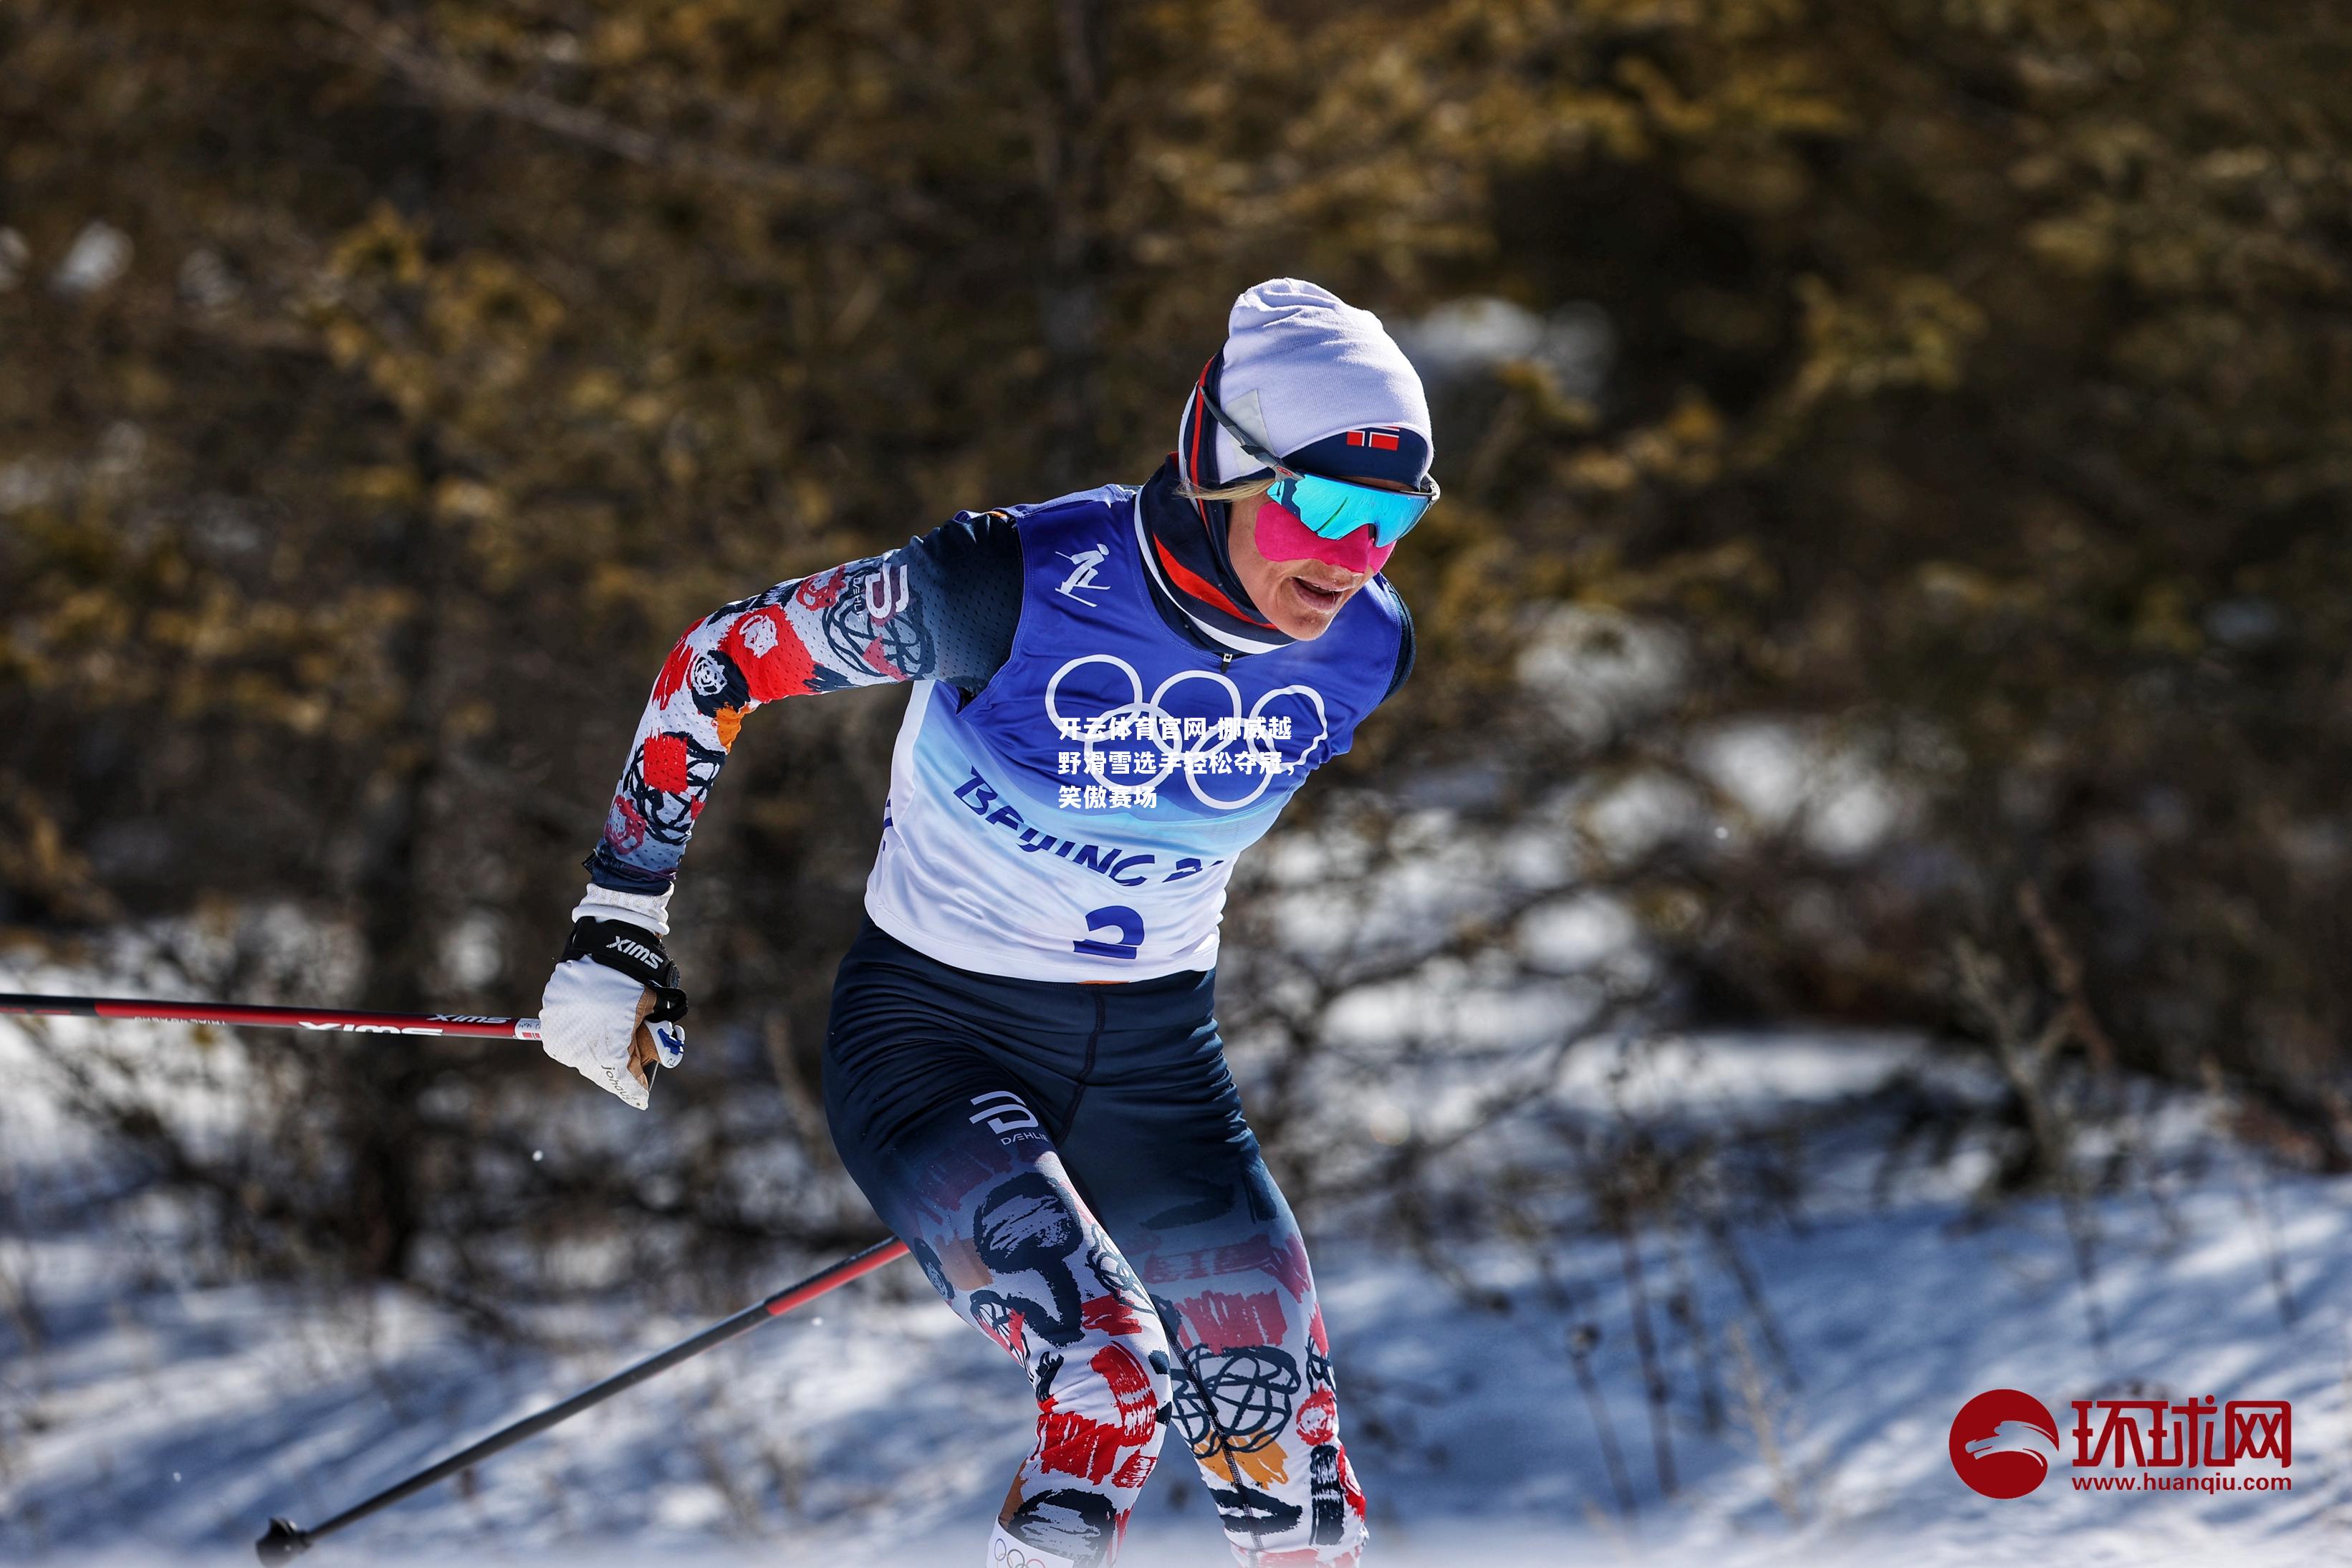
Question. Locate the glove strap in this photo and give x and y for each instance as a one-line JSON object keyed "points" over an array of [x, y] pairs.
{"points": [[637, 953]]}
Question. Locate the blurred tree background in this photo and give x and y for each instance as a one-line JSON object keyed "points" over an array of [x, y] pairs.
{"points": [[1962, 388]]}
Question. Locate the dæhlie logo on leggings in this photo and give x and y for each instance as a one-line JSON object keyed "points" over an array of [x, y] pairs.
{"points": [[2004, 1443]]}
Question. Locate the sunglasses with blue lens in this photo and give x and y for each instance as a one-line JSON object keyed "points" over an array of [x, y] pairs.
{"points": [[1334, 508]]}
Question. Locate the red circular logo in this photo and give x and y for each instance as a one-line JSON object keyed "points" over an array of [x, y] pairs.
{"points": [[2003, 1442]]}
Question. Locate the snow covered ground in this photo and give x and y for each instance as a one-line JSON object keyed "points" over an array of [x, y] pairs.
{"points": [[148, 1416]]}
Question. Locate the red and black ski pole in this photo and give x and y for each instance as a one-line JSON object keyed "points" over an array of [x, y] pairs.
{"points": [[286, 1539], [231, 1013]]}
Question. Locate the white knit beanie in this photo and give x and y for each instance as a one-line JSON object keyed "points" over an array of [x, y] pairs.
{"points": [[1301, 365]]}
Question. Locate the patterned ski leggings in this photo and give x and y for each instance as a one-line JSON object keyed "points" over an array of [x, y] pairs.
{"points": [[1070, 1166]]}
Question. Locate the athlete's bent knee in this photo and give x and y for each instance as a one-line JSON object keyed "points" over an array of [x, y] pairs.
{"points": [[1102, 1407]]}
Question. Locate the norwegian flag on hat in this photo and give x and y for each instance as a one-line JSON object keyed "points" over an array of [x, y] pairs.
{"points": [[1395, 453]]}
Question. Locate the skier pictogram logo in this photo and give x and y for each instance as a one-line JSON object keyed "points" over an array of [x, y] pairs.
{"points": [[2004, 1443], [1086, 568]]}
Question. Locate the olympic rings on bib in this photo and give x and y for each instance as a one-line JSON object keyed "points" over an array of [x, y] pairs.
{"points": [[1190, 744]]}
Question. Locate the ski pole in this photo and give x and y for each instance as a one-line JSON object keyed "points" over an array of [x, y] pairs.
{"points": [[286, 1539], [243, 1017]]}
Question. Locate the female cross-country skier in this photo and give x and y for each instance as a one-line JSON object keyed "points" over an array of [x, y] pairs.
{"points": [[1114, 693]]}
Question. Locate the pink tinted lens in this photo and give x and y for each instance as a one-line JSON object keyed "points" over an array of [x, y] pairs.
{"points": [[1280, 536]]}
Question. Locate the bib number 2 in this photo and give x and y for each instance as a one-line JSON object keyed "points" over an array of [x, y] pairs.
{"points": [[1123, 923]]}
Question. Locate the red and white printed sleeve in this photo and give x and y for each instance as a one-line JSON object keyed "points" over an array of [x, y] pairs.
{"points": [[944, 608]]}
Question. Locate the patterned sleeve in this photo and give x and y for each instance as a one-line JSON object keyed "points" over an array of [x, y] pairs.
{"points": [[943, 608]]}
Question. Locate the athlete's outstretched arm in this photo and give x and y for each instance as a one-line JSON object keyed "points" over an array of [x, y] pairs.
{"points": [[942, 608]]}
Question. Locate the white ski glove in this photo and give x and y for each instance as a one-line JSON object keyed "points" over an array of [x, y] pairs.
{"points": [[611, 1007]]}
